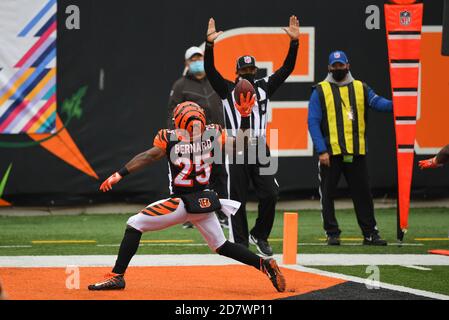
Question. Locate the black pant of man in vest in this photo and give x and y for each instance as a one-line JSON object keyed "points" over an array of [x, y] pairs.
{"points": [[355, 172], [267, 190]]}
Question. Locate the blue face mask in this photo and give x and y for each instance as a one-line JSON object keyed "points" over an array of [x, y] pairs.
{"points": [[196, 67]]}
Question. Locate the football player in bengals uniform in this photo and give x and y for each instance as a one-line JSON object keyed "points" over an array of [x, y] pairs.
{"points": [[189, 149]]}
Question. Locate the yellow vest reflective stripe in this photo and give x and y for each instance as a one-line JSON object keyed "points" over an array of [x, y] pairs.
{"points": [[360, 94], [344, 117]]}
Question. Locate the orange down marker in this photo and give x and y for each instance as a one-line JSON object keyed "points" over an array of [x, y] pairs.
{"points": [[290, 244], [403, 25]]}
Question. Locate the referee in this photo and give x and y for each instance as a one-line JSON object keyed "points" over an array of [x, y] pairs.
{"points": [[240, 175], [337, 124]]}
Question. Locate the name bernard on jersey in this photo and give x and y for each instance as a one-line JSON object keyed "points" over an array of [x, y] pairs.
{"points": [[196, 147]]}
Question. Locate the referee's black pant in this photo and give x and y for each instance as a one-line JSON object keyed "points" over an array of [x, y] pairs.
{"points": [[267, 190], [356, 175]]}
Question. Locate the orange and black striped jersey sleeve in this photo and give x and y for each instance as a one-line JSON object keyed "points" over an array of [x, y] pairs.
{"points": [[161, 140]]}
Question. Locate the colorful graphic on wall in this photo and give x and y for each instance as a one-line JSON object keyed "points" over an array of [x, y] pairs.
{"points": [[28, 101], [3, 180], [59, 143], [28, 62]]}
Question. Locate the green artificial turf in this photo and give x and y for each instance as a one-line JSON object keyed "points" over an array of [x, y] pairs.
{"points": [[107, 230]]}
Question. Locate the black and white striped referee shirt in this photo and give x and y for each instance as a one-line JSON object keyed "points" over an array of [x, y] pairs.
{"points": [[264, 87]]}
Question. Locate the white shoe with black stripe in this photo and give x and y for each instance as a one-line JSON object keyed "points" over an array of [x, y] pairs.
{"points": [[262, 246]]}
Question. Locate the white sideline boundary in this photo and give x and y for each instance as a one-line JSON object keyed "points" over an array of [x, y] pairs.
{"points": [[417, 292], [371, 259], [214, 259]]}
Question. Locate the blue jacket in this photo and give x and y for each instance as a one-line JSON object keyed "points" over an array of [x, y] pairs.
{"points": [[315, 116]]}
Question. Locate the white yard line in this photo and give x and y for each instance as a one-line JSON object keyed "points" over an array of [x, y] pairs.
{"points": [[214, 259], [16, 246], [159, 245], [109, 260], [418, 268], [371, 259], [323, 244], [365, 281]]}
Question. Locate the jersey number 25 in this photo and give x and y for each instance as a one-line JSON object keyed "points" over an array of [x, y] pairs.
{"points": [[202, 170]]}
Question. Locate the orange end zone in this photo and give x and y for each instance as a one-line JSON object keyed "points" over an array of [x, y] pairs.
{"points": [[231, 282]]}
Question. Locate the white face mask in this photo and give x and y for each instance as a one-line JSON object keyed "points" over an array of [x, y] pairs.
{"points": [[196, 67]]}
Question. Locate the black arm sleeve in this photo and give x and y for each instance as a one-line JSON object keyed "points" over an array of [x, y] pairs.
{"points": [[278, 78], [216, 80], [443, 155]]}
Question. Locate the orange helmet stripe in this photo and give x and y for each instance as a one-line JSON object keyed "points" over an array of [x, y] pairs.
{"points": [[181, 115], [185, 113]]}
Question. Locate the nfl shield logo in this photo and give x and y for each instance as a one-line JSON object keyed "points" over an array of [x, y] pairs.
{"points": [[405, 18], [247, 59]]}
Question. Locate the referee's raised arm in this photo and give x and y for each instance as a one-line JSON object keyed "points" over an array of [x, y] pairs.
{"points": [[216, 80], [279, 77]]}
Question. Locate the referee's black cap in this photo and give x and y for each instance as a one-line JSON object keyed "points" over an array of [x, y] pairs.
{"points": [[246, 61]]}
